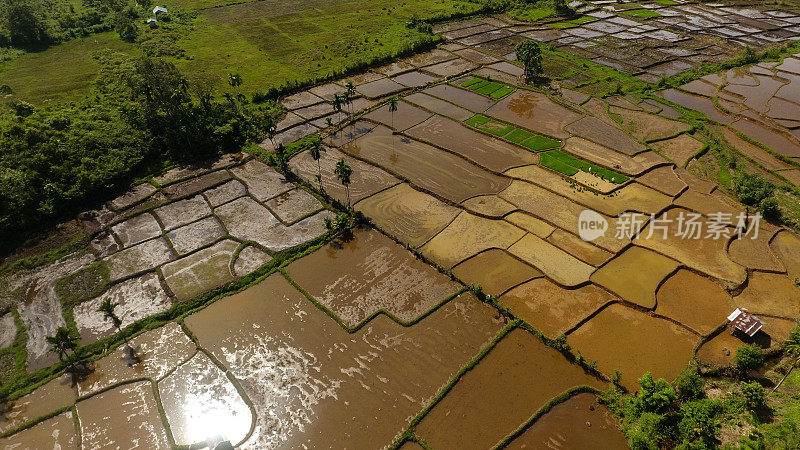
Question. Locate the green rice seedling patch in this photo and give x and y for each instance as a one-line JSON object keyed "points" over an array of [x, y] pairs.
{"points": [[562, 25], [472, 82], [477, 121], [489, 88], [502, 92], [538, 143], [556, 164], [518, 135], [556, 159], [643, 13]]}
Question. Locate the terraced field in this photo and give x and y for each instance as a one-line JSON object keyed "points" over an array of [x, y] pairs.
{"points": [[470, 307]]}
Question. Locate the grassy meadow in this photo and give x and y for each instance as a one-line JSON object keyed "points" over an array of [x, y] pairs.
{"points": [[268, 42]]}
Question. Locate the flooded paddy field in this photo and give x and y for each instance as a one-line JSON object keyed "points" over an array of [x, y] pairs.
{"points": [[368, 334]]}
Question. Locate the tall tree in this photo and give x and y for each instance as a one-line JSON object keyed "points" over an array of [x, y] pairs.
{"points": [[316, 151], [65, 344], [343, 172], [26, 23], [393, 109], [530, 55], [108, 308]]}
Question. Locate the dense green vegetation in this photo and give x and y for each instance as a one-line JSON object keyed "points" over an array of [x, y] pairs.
{"points": [[489, 88], [54, 160]]}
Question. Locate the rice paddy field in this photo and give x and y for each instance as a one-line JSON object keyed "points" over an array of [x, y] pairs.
{"points": [[449, 294]]}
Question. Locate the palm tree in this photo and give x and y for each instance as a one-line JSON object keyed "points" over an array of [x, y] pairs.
{"points": [[343, 172], [337, 106], [107, 307], [392, 109], [64, 342], [351, 92], [316, 151], [792, 348]]}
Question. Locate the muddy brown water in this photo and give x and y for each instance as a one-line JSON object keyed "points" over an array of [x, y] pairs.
{"points": [[695, 301], [578, 423], [470, 100], [313, 384], [406, 116], [535, 112], [506, 388], [487, 151], [56, 433], [552, 309], [428, 167], [495, 270], [409, 215], [620, 338], [695, 102], [53, 395], [440, 106], [367, 273], [121, 416]]}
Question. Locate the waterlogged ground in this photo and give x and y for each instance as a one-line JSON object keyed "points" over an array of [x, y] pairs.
{"points": [[355, 342]]}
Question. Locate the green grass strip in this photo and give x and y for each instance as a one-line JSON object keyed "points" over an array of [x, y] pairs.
{"points": [[562, 25], [539, 143], [643, 13], [519, 135], [502, 92], [666, 2], [497, 128], [474, 80], [583, 19]]}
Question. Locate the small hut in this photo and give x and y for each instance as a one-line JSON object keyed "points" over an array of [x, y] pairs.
{"points": [[159, 10], [152, 23], [742, 320]]}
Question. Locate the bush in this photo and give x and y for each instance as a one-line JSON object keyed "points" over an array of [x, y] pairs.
{"points": [[769, 208], [752, 188], [647, 433], [655, 395], [690, 385], [699, 423], [754, 394], [748, 357]]}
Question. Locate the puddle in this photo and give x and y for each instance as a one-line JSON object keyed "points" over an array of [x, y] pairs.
{"points": [[423, 165], [635, 275], [202, 404], [469, 235], [121, 416], [495, 270], [303, 372], [535, 112], [513, 381], [678, 299], [487, 151], [368, 273], [552, 309], [619, 338], [580, 422]]}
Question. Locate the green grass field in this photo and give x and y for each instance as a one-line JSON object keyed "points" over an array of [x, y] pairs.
{"points": [[488, 88], [269, 43], [643, 13], [61, 73]]}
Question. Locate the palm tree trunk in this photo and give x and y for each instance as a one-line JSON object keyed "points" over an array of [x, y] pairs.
{"points": [[783, 379], [319, 174]]}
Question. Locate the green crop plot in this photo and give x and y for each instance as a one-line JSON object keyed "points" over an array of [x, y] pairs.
{"points": [[570, 165], [518, 135], [643, 13], [488, 88], [538, 143], [511, 133]]}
